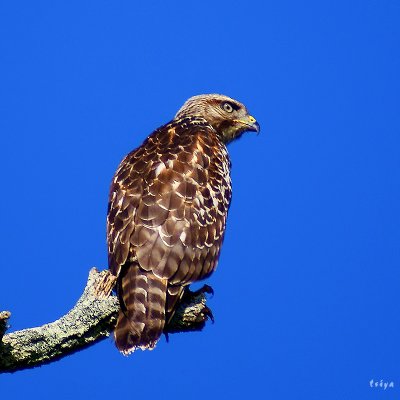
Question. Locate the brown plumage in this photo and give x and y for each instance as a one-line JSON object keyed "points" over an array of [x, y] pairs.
{"points": [[168, 206]]}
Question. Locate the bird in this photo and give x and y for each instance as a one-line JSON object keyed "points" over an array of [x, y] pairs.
{"points": [[167, 212]]}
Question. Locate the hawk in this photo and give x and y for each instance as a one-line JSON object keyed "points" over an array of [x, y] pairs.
{"points": [[167, 211]]}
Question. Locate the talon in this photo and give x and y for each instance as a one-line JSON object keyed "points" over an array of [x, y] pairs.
{"points": [[208, 289], [204, 289], [208, 314]]}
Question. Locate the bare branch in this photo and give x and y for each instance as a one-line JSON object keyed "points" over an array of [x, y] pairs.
{"points": [[91, 320]]}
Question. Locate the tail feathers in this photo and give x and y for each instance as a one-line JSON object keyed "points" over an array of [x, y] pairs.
{"points": [[141, 319]]}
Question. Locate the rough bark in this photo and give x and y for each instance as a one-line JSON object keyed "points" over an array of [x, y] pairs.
{"points": [[91, 320]]}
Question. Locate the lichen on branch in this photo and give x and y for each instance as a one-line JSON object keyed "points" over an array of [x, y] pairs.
{"points": [[90, 320]]}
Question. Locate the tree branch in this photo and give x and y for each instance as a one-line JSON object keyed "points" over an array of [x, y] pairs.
{"points": [[91, 320]]}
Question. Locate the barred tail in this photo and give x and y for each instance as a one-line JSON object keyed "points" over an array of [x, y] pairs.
{"points": [[141, 318]]}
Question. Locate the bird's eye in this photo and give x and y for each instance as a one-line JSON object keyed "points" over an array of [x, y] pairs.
{"points": [[227, 107]]}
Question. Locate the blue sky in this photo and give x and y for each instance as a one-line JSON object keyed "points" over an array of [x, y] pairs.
{"points": [[307, 288]]}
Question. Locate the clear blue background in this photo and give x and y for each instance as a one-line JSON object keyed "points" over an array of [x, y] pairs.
{"points": [[307, 290]]}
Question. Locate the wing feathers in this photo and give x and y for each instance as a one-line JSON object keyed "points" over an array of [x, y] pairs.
{"points": [[168, 206]]}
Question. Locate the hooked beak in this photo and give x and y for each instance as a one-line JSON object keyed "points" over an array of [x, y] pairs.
{"points": [[250, 123]]}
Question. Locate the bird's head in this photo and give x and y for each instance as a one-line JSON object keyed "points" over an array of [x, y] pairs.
{"points": [[227, 116]]}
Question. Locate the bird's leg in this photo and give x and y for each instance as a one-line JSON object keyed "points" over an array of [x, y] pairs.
{"points": [[166, 336]]}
